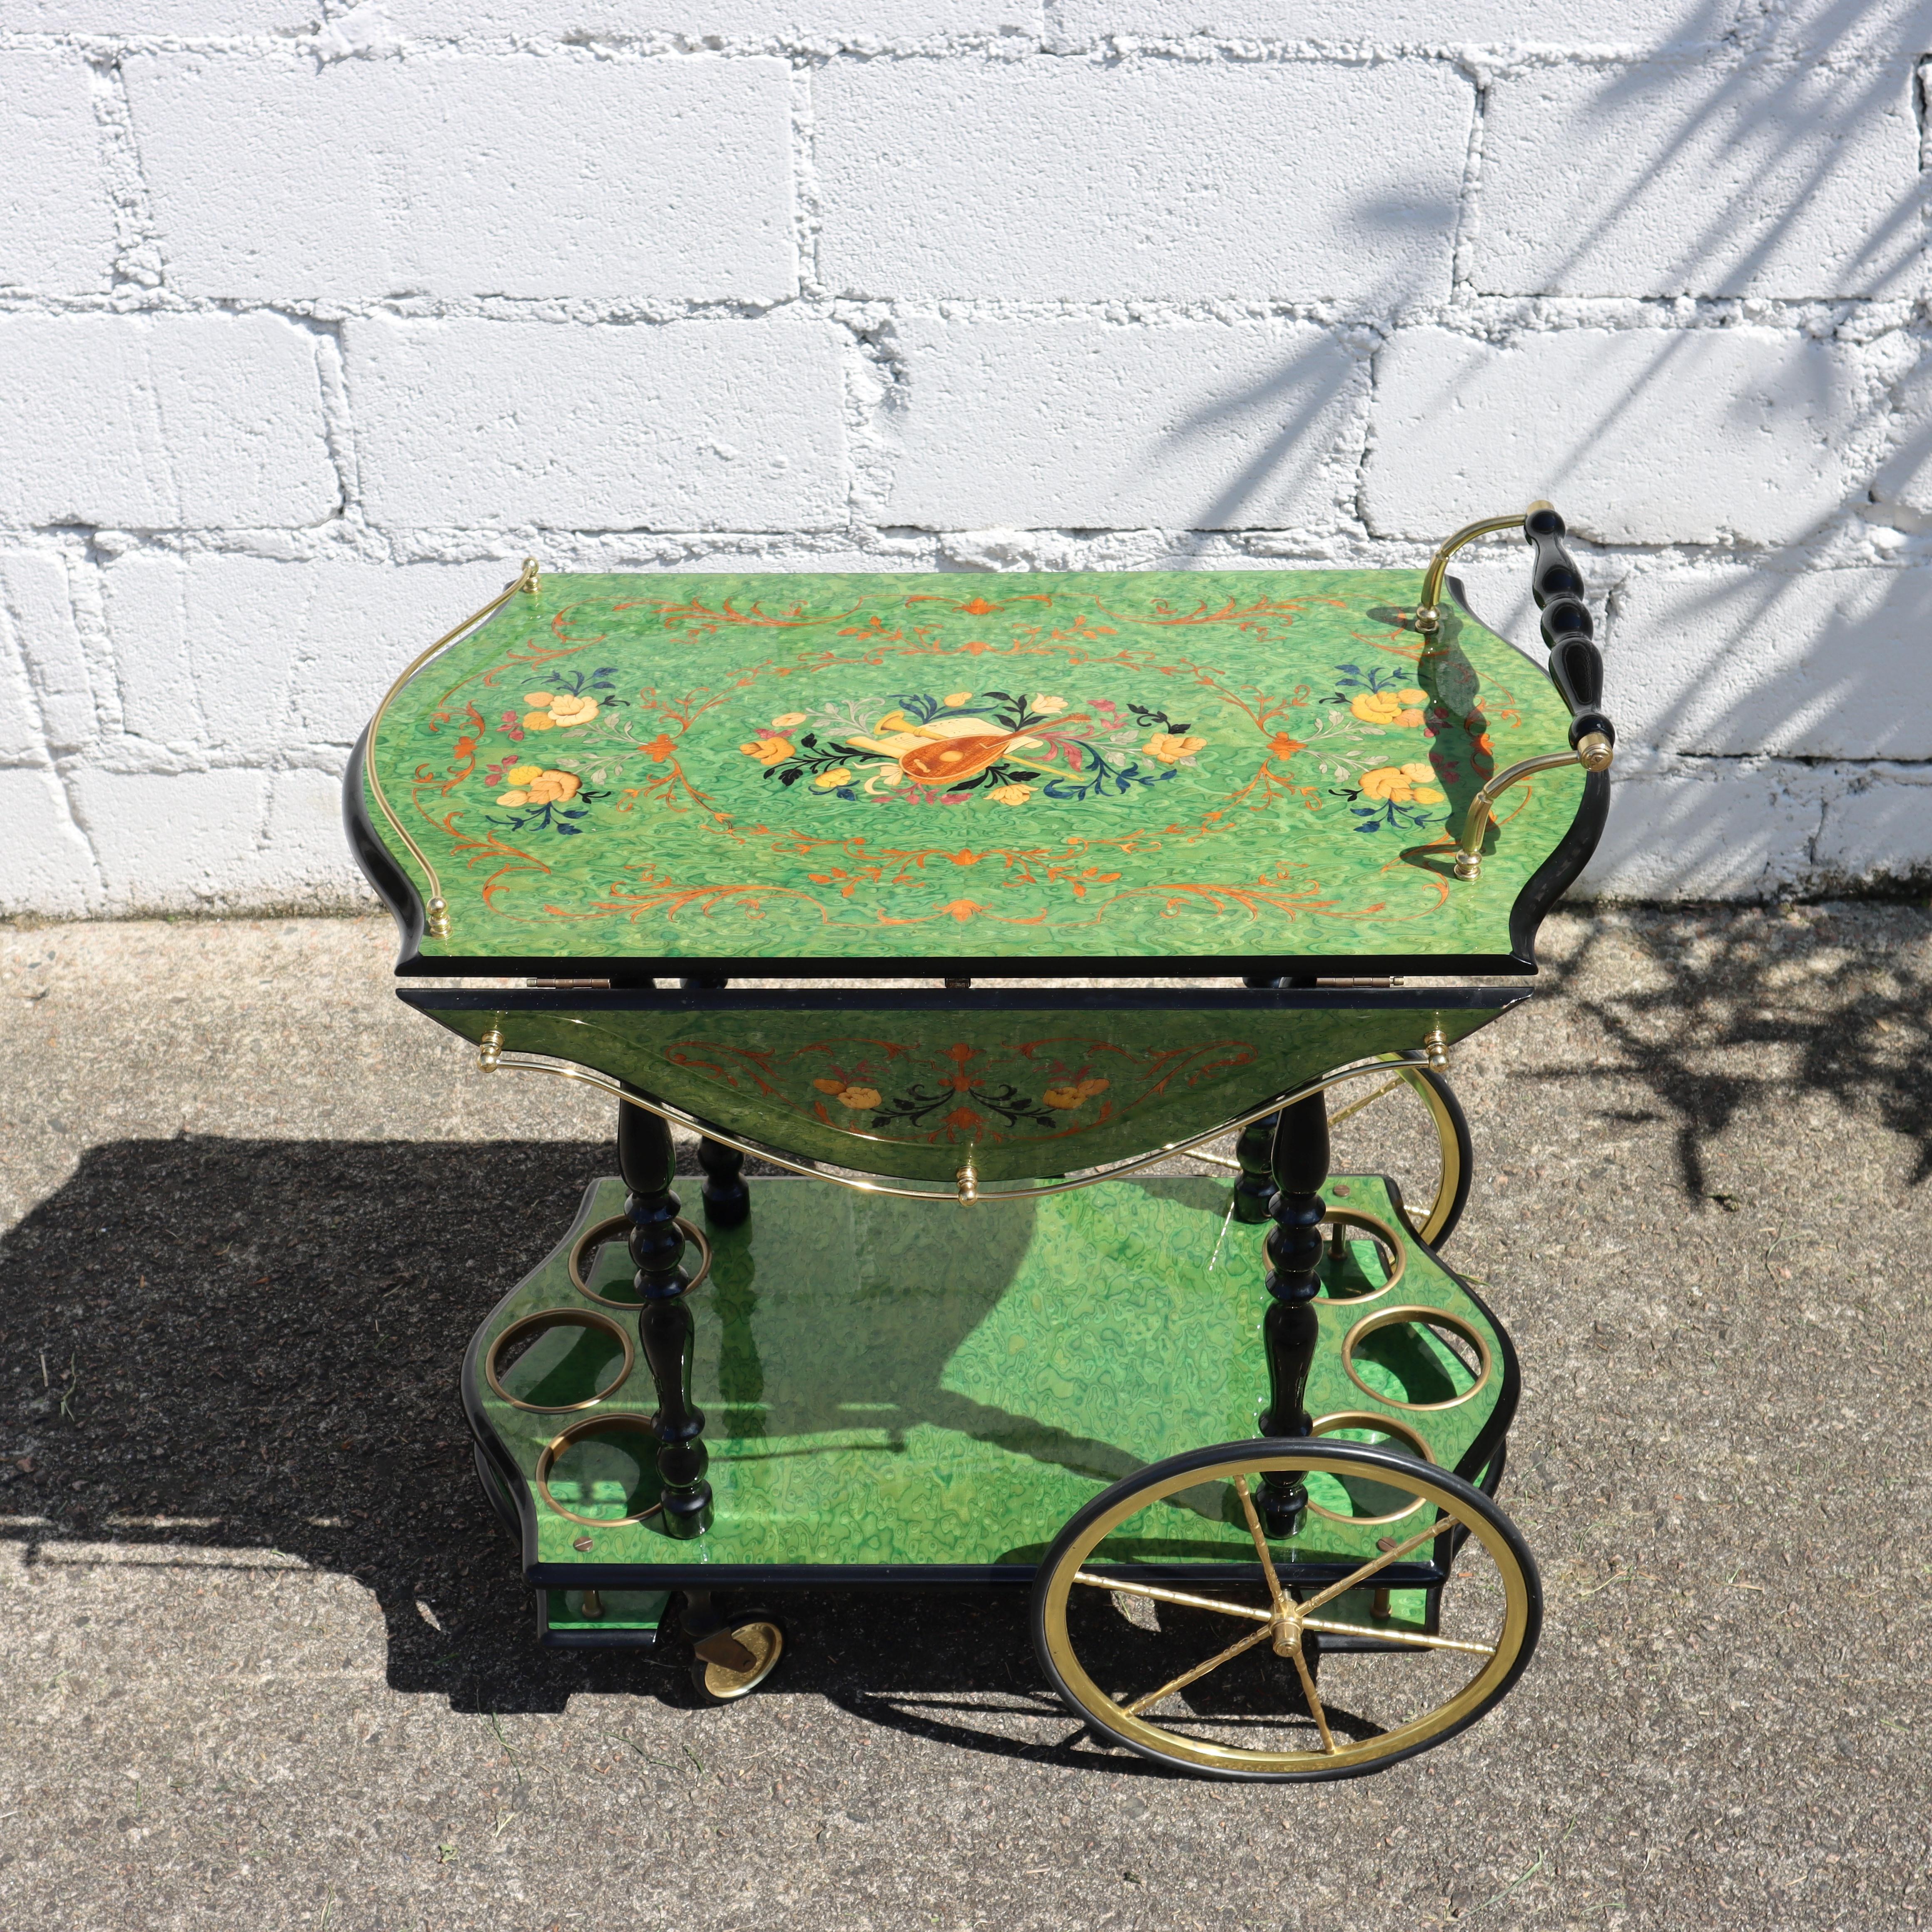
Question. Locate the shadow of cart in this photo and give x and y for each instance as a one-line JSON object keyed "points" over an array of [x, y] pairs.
{"points": [[252, 1345]]}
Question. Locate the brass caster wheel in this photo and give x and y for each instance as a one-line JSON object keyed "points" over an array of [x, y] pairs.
{"points": [[1403, 1609], [733, 1660]]}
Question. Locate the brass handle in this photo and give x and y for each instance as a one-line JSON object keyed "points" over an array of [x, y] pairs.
{"points": [[1593, 752], [1428, 618]]}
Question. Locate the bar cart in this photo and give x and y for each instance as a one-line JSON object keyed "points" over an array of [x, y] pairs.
{"points": [[1241, 1435]]}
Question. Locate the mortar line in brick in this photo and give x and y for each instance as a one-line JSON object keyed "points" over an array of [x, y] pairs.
{"points": [[136, 266], [1491, 317], [807, 210], [15, 651], [401, 544], [84, 605], [338, 428], [1468, 205]]}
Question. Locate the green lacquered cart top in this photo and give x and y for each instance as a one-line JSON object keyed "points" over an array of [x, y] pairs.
{"points": [[1018, 772]]}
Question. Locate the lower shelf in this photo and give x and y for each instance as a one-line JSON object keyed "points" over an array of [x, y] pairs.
{"points": [[898, 1392]]}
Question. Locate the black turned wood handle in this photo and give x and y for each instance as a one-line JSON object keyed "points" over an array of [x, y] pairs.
{"points": [[1576, 664]]}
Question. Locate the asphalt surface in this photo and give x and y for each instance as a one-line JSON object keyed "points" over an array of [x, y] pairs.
{"points": [[268, 1664]]}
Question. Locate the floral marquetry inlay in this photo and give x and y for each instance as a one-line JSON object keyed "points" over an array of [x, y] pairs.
{"points": [[1239, 763]]}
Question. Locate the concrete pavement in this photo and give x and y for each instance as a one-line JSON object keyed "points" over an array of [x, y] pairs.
{"points": [[270, 1665]]}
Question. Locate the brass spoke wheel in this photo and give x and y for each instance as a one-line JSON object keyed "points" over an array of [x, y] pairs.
{"points": [[1408, 1124], [1404, 1608]]}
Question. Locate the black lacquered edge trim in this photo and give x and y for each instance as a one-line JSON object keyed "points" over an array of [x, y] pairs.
{"points": [[1477, 1457], [1558, 872], [470, 1385], [1207, 966], [549, 1639], [808, 1576], [392, 884], [536, 999]]}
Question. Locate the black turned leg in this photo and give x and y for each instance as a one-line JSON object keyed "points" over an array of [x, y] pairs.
{"points": [[665, 1325], [727, 1200], [1254, 1148], [1289, 1331]]}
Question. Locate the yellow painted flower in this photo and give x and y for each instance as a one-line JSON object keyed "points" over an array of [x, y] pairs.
{"points": [[1073, 1093], [1400, 708], [1168, 747], [831, 780], [549, 711], [959, 698], [1402, 785], [1049, 705], [767, 750], [858, 1096], [531, 784], [787, 719], [1014, 794]]}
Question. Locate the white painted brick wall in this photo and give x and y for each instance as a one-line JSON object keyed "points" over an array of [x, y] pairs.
{"points": [[698, 425], [1735, 661], [56, 221], [570, 177], [1400, 23], [1651, 436], [163, 422], [1102, 426], [315, 316], [1700, 177], [1048, 180]]}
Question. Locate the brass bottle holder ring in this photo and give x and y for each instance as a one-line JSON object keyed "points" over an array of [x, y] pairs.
{"points": [[1404, 1438], [1384, 1238], [1411, 1313], [532, 1325], [559, 1444], [601, 1231]]}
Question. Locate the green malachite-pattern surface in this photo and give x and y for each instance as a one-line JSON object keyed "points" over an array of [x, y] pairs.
{"points": [[892, 1384], [1050, 767], [915, 1093]]}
